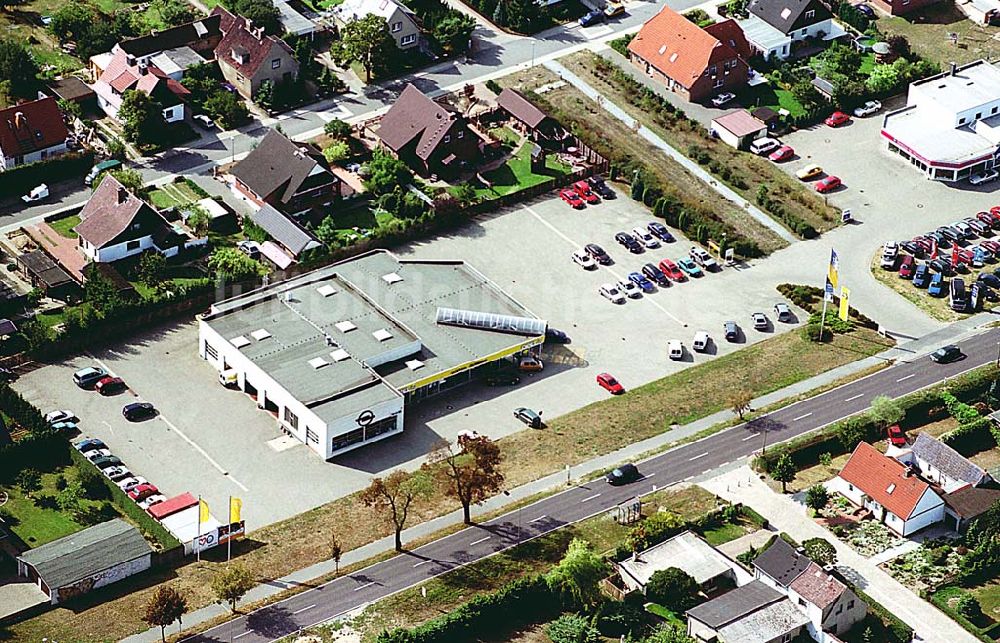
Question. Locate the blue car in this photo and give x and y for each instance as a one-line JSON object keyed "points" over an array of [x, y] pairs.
{"points": [[937, 286], [660, 231], [592, 18], [91, 444], [689, 267], [922, 276], [640, 280]]}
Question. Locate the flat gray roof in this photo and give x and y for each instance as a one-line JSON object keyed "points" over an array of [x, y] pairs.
{"points": [[970, 86], [924, 133], [685, 551]]}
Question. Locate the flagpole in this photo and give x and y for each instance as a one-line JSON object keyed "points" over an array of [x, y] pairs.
{"points": [[229, 542], [822, 318], [197, 536]]}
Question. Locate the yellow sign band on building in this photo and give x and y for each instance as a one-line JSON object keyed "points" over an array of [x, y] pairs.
{"points": [[455, 370]]}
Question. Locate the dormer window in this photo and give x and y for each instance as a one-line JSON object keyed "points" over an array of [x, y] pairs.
{"points": [[447, 138], [461, 134]]}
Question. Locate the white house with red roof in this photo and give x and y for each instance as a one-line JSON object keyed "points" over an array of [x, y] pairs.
{"points": [[31, 132], [124, 72], [894, 493]]}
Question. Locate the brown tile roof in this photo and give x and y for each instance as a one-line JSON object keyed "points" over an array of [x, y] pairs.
{"points": [[520, 108], [276, 163], [729, 32], [251, 41], [415, 115], [109, 212], [818, 587], [31, 126], [969, 502], [884, 480], [677, 47]]}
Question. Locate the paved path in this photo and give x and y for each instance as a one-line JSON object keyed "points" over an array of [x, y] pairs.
{"points": [[743, 485], [692, 167]]}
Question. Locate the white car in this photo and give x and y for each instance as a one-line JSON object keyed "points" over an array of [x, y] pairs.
{"points": [[701, 340], [612, 293], [723, 98], [53, 417], [983, 177], [964, 228], [701, 257], [869, 108], [890, 252], [675, 349], [584, 260], [645, 237], [204, 121], [125, 484], [117, 473], [154, 499], [630, 289], [764, 145], [39, 193], [97, 454]]}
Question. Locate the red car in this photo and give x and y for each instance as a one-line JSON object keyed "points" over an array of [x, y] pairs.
{"points": [[670, 269], [572, 198], [610, 384], [995, 212], [925, 244], [584, 192], [110, 385], [837, 119], [142, 491], [964, 256], [896, 436], [987, 218], [828, 183], [783, 153], [906, 267], [991, 245]]}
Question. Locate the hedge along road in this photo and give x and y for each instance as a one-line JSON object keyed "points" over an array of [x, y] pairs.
{"points": [[476, 542]]}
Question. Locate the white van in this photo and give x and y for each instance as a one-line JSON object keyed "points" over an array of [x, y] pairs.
{"points": [[675, 350], [764, 145], [700, 342], [229, 378]]}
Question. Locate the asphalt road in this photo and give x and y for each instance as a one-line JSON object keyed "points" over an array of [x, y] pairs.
{"points": [[479, 541]]}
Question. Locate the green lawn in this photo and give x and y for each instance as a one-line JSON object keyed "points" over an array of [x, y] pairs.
{"points": [[774, 96], [516, 174], [65, 226], [988, 596], [173, 195], [666, 614], [724, 533]]}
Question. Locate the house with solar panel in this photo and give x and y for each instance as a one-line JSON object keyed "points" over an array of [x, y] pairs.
{"points": [[336, 354]]}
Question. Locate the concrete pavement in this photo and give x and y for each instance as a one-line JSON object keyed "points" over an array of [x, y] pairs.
{"points": [[743, 485]]}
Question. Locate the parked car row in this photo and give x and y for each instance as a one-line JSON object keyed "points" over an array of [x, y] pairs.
{"points": [[98, 379], [584, 192], [937, 276], [730, 330], [135, 487], [826, 184]]}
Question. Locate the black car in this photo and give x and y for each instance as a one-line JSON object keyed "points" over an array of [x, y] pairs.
{"points": [[939, 239], [503, 377], [731, 330], [865, 10], [629, 242], [623, 475], [597, 253], [946, 354], [598, 185], [912, 247], [655, 274], [555, 336], [138, 411], [989, 279], [943, 266], [7, 375], [950, 233], [660, 231]]}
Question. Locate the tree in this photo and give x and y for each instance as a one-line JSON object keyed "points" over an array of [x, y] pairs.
{"points": [[572, 628], [69, 499], [673, 588], [366, 41], [783, 471], [668, 633], [141, 117], [883, 79], [385, 173], [816, 497], [116, 149], [522, 14], [165, 606], [465, 193], [174, 12], [100, 292], [472, 472], [821, 551], [262, 13], [899, 45], [306, 57], [337, 129], [336, 152], [807, 95], [17, 67], [29, 480], [265, 95], [232, 584], [453, 31], [335, 553], [130, 179], [969, 607], [232, 265], [152, 266], [70, 108], [226, 109], [392, 497], [578, 574], [886, 411], [842, 59], [740, 400]]}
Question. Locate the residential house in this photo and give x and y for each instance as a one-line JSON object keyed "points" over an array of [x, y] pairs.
{"points": [[288, 239], [427, 136], [248, 57], [753, 613], [709, 567], [942, 465], [830, 605], [79, 563], [527, 118], [968, 503], [125, 73], [891, 490], [404, 26], [738, 128], [115, 224], [31, 132], [775, 26], [693, 62], [292, 177], [903, 7]]}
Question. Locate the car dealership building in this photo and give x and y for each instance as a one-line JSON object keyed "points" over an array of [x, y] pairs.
{"points": [[335, 354]]}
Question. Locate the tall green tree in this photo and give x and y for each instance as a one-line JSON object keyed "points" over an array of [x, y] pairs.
{"points": [[174, 12], [100, 292], [578, 574], [165, 606], [141, 117], [453, 31], [226, 109], [816, 497], [17, 67], [229, 264], [366, 41], [386, 173], [232, 584], [131, 179], [886, 411], [261, 13], [152, 266], [783, 471], [673, 588]]}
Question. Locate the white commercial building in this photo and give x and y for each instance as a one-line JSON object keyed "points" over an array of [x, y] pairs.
{"points": [[335, 354], [950, 127]]}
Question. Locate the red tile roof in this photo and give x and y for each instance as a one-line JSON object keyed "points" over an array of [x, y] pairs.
{"points": [[679, 48], [253, 45], [884, 480], [110, 211], [39, 126], [818, 587], [730, 33]]}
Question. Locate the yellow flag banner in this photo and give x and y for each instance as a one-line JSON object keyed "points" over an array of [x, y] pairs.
{"points": [[235, 507], [833, 272], [845, 307], [203, 514]]}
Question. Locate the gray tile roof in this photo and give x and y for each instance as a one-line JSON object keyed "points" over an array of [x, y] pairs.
{"points": [[781, 562], [789, 15], [276, 163], [77, 556], [947, 460], [284, 230], [736, 604], [767, 624]]}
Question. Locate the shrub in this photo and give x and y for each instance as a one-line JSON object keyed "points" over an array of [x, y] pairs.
{"points": [[572, 628], [673, 588], [617, 618], [825, 458], [969, 607]]}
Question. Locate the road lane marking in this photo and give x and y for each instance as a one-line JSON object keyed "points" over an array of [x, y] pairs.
{"points": [[361, 587], [648, 476], [476, 542], [906, 377], [596, 495], [702, 455], [802, 417], [304, 609], [243, 634], [423, 562], [749, 437], [854, 397], [197, 448], [537, 519]]}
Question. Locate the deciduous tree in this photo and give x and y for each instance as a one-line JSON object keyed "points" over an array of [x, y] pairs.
{"points": [[578, 574], [471, 471], [393, 496], [821, 551], [232, 265], [151, 268], [673, 588], [70, 497], [336, 552], [740, 401], [17, 67], [261, 13], [886, 411], [165, 606], [816, 497], [130, 179], [226, 109], [783, 471], [366, 41], [141, 117], [232, 584]]}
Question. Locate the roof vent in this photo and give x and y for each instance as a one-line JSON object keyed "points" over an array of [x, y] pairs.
{"points": [[391, 278], [890, 488], [414, 364], [663, 48], [240, 342], [345, 326], [260, 334], [326, 290], [318, 362], [382, 334], [340, 355]]}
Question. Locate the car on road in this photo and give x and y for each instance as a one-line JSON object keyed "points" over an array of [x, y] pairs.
{"points": [[828, 184], [865, 10], [555, 336], [592, 18], [571, 197], [921, 276], [837, 119], [731, 331], [945, 354], [701, 341], [137, 411], [88, 377], [655, 274], [582, 188], [125, 484], [675, 349], [607, 382], [529, 417], [897, 437], [890, 251], [764, 145], [783, 153], [142, 491], [623, 475], [584, 260], [629, 289], [906, 267], [110, 385], [530, 364], [598, 254], [689, 267], [783, 313], [628, 242], [598, 185], [38, 193], [671, 270], [936, 287], [89, 444], [809, 172], [869, 108], [203, 121], [981, 178], [660, 231], [641, 281], [502, 377], [645, 237], [612, 293], [723, 99], [704, 259], [760, 321], [59, 416]]}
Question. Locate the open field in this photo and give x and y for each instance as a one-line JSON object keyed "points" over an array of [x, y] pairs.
{"points": [[928, 29]]}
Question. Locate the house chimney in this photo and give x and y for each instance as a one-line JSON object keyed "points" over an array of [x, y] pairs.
{"points": [[122, 195], [954, 68], [130, 60], [143, 68]]}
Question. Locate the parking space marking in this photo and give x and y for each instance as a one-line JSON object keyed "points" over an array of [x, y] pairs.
{"points": [[701, 455], [304, 609], [481, 540], [589, 498], [749, 437], [854, 397], [202, 452], [243, 634], [423, 562], [577, 246], [906, 377], [801, 417]]}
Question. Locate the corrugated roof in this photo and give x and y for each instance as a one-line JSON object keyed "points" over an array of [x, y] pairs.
{"points": [[884, 480], [765, 625], [947, 460], [284, 230], [77, 556]]}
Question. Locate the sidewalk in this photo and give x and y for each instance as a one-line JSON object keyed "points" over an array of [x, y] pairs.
{"points": [[743, 485], [558, 480]]}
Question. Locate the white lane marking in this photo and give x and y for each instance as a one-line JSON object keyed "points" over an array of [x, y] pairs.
{"points": [[361, 587], [202, 452], [854, 397], [802, 417], [423, 562], [537, 519], [700, 455], [577, 246], [304, 609], [243, 634], [749, 437], [596, 495], [648, 475], [481, 540], [906, 377]]}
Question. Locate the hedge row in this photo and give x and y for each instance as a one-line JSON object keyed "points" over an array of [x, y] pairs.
{"points": [[811, 298], [24, 178]]}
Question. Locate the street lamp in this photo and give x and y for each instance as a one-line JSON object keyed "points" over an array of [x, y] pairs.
{"points": [[518, 511], [998, 355]]}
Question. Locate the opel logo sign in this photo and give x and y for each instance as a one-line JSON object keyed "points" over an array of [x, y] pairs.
{"points": [[366, 418]]}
